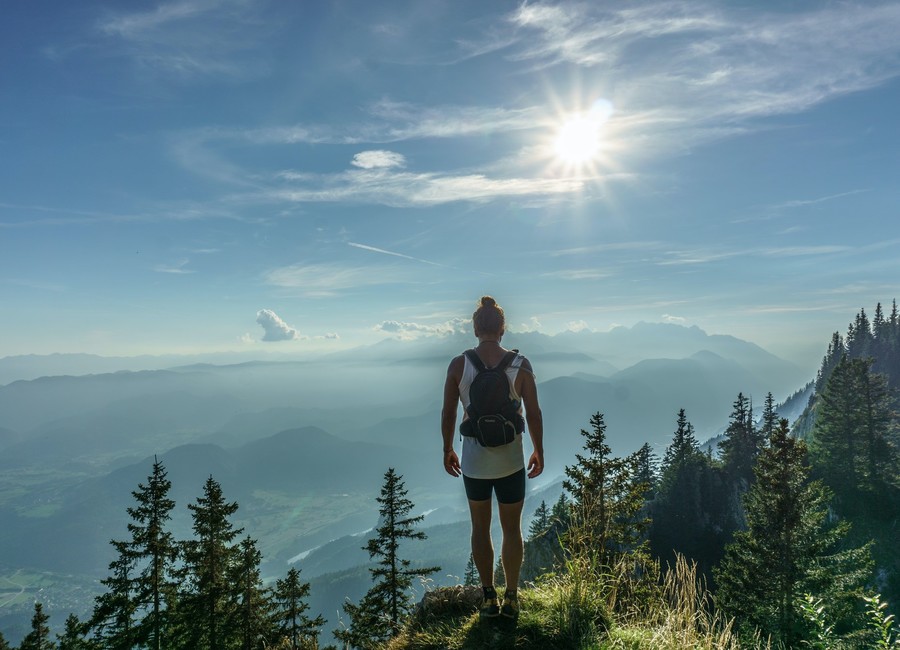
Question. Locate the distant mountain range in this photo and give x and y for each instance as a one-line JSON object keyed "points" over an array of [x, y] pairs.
{"points": [[301, 444]]}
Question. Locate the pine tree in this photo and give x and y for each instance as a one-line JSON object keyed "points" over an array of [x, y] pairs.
{"points": [[769, 418], [254, 608], [73, 636], [499, 574], [542, 547], [290, 612], [741, 445], [207, 603], [378, 616], [851, 446], [606, 518], [789, 548], [859, 337], [470, 577], [836, 350], [113, 617], [4, 644], [561, 512], [155, 547], [682, 450], [679, 509], [647, 472], [39, 636], [540, 522]]}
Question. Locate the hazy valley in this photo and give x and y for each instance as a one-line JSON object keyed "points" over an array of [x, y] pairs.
{"points": [[301, 444]]}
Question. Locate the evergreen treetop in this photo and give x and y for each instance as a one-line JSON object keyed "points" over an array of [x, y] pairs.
{"points": [[789, 549], [379, 615]]}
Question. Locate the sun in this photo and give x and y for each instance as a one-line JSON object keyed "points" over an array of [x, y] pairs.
{"points": [[578, 140]]}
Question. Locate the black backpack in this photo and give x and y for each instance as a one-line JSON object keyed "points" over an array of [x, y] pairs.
{"points": [[494, 419]]}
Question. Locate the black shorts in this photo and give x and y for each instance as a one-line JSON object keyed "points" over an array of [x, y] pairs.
{"points": [[509, 489]]}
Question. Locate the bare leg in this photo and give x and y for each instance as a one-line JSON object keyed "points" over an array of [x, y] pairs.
{"points": [[482, 546], [512, 550]]}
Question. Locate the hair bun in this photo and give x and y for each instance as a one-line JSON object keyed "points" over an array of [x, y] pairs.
{"points": [[487, 301]]}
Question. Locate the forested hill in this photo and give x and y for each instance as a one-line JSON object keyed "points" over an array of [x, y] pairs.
{"points": [[852, 429], [876, 339]]}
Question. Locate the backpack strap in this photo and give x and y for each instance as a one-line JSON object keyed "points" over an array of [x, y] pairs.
{"points": [[472, 356], [507, 359]]}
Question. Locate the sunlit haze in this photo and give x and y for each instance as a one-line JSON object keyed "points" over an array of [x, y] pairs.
{"points": [[296, 177]]}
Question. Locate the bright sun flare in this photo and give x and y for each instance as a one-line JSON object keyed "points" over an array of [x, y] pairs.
{"points": [[578, 140]]}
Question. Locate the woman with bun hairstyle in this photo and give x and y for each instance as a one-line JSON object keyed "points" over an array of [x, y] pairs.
{"points": [[494, 470]]}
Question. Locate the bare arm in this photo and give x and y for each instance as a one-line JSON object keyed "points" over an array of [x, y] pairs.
{"points": [[527, 389], [448, 415]]}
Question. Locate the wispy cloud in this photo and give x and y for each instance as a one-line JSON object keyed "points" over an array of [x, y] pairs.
{"points": [[803, 251], [378, 159], [389, 121], [391, 253], [779, 209], [578, 274], [177, 268], [322, 280], [708, 255], [799, 203], [187, 38], [605, 248], [408, 189], [723, 65], [33, 284], [136, 24], [697, 256]]}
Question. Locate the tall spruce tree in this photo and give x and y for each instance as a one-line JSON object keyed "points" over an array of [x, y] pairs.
{"points": [[4, 644], [647, 469], [208, 598], [540, 522], [851, 443], [741, 445], [39, 636], [254, 608], [112, 620], [837, 348], [73, 636], [155, 551], [789, 549], [380, 613], [290, 614], [470, 577], [769, 418], [561, 512], [607, 519], [679, 509]]}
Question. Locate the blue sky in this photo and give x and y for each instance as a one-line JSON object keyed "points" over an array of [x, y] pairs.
{"points": [[203, 175]]}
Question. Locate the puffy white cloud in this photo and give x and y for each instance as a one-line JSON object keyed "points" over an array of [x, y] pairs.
{"points": [[275, 328], [378, 159], [407, 330], [577, 326], [533, 325]]}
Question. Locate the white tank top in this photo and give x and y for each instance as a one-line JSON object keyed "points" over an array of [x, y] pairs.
{"points": [[490, 462]]}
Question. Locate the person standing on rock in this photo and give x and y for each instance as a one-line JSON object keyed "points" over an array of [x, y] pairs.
{"points": [[493, 384]]}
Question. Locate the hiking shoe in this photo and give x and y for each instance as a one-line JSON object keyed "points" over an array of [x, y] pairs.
{"points": [[510, 607], [490, 608]]}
